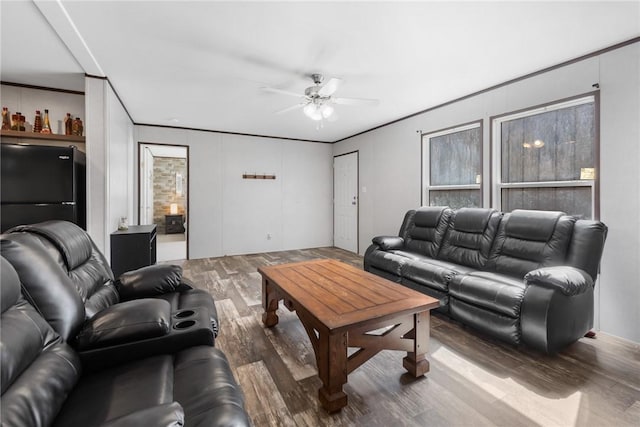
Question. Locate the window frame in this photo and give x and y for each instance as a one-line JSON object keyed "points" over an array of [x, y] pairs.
{"points": [[425, 147], [496, 149]]}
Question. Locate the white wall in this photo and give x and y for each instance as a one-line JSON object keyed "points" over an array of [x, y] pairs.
{"points": [[390, 167], [110, 167], [121, 145], [620, 191], [230, 215], [97, 166]]}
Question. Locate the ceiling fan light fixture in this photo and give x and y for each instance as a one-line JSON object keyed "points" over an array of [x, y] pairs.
{"points": [[327, 110], [312, 111], [318, 110], [318, 100]]}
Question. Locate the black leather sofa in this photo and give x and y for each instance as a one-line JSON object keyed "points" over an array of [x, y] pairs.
{"points": [[69, 282], [44, 382], [87, 269], [522, 277]]}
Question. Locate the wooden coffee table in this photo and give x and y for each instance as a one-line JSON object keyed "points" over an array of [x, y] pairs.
{"points": [[341, 306]]}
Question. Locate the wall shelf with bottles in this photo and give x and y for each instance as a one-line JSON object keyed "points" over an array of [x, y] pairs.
{"points": [[42, 136]]}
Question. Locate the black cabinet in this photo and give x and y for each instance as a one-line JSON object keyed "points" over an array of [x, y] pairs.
{"points": [[133, 248], [174, 224]]}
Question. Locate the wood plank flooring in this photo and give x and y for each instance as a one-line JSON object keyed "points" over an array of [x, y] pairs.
{"points": [[474, 380]]}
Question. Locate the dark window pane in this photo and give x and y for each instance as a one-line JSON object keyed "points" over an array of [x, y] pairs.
{"points": [[572, 200], [455, 198], [455, 157], [551, 146]]}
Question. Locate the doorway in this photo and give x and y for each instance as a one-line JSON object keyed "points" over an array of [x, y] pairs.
{"points": [[345, 201], [163, 197]]}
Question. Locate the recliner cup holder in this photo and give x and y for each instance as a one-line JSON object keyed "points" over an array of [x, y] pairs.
{"points": [[184, 313], [184, 324]]}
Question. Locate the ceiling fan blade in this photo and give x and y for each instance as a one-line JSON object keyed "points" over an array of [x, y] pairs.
{"points": [[282, 92], [330, 87], [293, 107], [355, 101]]}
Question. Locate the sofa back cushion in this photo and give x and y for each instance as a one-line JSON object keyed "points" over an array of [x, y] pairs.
{"points": [[37, 369], [470, 236], [72, 242], [529, 239], [426, 229], [79, 257], [44, 284]]}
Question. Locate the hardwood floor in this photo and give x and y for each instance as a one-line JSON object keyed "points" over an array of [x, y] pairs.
{"points": [[474, 380]]}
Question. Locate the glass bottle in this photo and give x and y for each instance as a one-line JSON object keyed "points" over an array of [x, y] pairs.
{"points": [[22, 120], [15, 122], [37, 122], [46, 127], [77, 127], [68, 121], [6, 124]]}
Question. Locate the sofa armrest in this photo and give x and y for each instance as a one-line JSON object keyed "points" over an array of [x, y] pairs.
{"points": [[387, 243], [166, 415], [125, 322], [557, 308], [149, 281], [568, 280]]}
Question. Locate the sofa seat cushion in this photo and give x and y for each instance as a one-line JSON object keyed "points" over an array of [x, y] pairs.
{"points": [[198, 378], [114, 392], [495, 292], [206, 389], [410, 255], [432, 272]]}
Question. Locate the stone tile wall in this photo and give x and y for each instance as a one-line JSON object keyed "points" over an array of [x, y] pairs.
{"points": [[164, 188]]}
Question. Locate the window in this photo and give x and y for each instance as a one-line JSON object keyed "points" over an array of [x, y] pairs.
{"points": [[452, 167], [545, 158]]}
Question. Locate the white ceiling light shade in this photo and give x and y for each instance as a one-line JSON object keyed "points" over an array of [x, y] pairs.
{"points": [[312, 111], [318, 110], [327, 110]]}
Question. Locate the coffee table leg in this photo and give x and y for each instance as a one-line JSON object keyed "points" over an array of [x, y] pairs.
{"points": [[415, 362], [332, 370], [269, 303]]}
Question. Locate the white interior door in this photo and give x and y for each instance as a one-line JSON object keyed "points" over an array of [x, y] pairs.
{"points": [[345, 201]]}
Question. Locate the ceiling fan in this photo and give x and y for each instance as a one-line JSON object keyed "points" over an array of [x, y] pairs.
{"points": [[318, 100]]}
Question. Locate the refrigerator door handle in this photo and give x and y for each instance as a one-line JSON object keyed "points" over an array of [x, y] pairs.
{"points": [[69, 203]]}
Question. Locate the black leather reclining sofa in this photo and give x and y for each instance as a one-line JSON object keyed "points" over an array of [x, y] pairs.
{"points": [[74, 354], [522, 277]]}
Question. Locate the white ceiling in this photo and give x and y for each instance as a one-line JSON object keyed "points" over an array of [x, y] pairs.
{"points": [[202, 64]]}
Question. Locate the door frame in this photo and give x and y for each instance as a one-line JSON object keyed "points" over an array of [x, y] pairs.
{"points": [[333, 189], [140, 146]]}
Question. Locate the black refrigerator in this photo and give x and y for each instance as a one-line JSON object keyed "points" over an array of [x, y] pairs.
{"points": [[39, 183]]}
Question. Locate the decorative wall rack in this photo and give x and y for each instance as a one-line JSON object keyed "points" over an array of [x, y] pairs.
{"points": [[257, 176]]}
